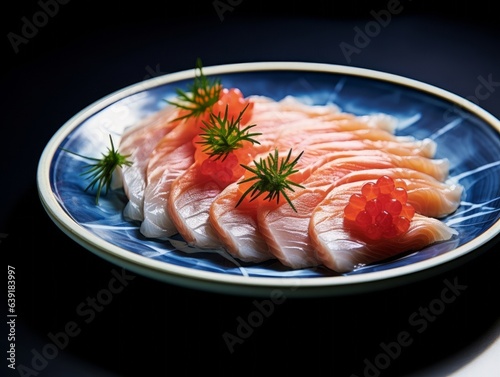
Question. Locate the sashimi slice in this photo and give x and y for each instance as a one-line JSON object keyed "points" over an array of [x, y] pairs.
{"points": [[291, 104], [186, 207], [171, 157], [138, 142], [236, 227], [331, 111], [343, 248], [429, 196], [402, 147], [436, 168]]}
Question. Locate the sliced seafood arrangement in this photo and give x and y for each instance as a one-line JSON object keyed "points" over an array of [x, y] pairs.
{"points": [[265, 179]]}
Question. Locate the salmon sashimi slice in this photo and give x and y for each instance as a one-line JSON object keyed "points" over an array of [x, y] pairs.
{"points": [[402, 147], [137, 143], [186, 207], [343, 248], [171, 157], [290, 104], [332, 112], [436, 168], [236, 227], [429, 196]]}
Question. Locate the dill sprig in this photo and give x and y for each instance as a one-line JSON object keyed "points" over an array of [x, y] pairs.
{"points": [[101, 172], [221, 135], [202, 94], [271, 177]]}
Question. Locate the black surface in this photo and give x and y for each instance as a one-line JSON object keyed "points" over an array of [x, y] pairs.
{"points": [[85, 51]]}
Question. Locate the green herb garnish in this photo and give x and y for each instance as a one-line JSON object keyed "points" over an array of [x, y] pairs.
{"points": [[101, 172], [221, 135], [271, 177], [202, 95]]}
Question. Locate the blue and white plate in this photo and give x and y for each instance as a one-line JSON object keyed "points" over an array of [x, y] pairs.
{"points": [[465, 134]]}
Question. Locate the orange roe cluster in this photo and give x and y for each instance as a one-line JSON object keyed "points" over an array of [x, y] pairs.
{"points": [[227, 169], [235, 101], [381, 210]]}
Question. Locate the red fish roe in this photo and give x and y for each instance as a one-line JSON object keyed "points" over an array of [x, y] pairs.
{"points": [[224, 170], [381, 209], [235, 101]]}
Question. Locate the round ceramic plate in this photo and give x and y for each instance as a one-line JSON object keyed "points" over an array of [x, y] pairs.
{"points": [[465, 134]]}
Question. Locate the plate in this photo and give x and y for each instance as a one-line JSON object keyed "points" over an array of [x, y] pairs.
{"points": [[467, 135]]}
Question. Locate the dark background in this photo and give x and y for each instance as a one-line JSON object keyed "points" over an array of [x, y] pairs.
{"points": [[89, 49]]}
